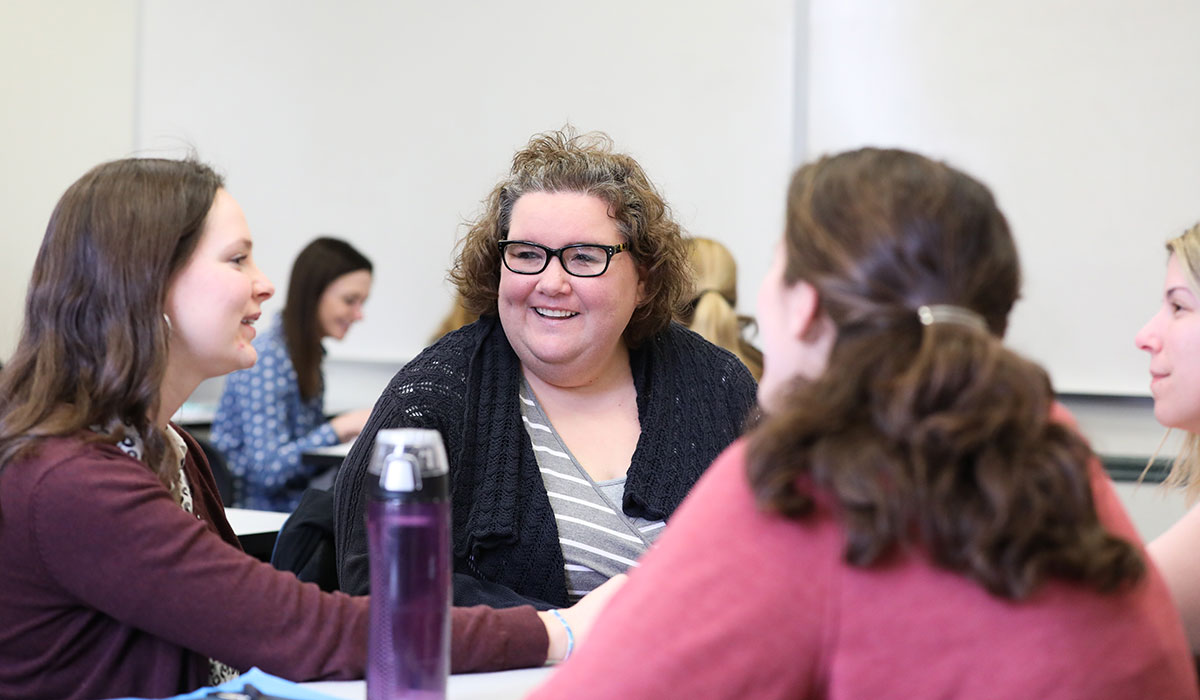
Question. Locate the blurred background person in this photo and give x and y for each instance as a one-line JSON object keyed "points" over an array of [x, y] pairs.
{"points": [[911, 518], [1172, 338], [456, 318], [712, 309], [576, 414], [270, 414]]}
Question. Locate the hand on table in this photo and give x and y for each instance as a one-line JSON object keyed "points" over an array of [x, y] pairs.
{"points": [[349, 424], [579, 616]]}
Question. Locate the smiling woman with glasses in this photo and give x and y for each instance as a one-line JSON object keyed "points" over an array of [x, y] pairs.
{"points": [[577, 415]]}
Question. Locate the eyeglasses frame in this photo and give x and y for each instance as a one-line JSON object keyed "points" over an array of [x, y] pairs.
{"points": [[610, 251]]}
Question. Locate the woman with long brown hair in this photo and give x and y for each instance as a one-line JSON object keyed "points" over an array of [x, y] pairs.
{"points": [[911, 519]]}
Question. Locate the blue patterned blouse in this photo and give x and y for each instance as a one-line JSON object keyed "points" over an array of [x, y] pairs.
{"points": [[262, 427]]}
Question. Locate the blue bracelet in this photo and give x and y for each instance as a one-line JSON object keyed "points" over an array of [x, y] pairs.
{"points": [[570, 634]]}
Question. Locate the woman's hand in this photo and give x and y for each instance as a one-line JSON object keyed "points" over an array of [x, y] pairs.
{"points": [[348, 425], [579, 617]]}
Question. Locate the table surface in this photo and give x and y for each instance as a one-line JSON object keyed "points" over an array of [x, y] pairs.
{"points": [[331, 450], [504, 685], [254, 522]]}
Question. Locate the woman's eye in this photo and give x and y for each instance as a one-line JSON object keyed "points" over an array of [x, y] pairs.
{"points": [[238, 259]]}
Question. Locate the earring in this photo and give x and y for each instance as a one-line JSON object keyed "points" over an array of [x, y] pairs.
{"points": [[168, 320]]}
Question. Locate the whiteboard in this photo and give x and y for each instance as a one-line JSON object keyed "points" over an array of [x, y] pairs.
{"points": [[1084, 118], [386, 123]]}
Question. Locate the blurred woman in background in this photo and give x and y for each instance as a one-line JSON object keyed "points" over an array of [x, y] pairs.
{"points": [[712, 311], [456, 318], [271, 413], [1172, 338]]}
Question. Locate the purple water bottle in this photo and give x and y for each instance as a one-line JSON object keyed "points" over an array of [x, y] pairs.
{"points": [[408, 537]]}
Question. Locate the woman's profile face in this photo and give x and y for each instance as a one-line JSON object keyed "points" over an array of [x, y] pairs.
{"points": [[796, 338], [216, 298], [341, 304], [1172, 338], [563, 326]]}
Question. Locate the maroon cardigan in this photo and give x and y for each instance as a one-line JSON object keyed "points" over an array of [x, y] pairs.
{"points": [[109, 588]]}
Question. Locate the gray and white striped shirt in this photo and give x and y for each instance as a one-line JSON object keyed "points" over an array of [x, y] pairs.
{"points": [[598, 540]]}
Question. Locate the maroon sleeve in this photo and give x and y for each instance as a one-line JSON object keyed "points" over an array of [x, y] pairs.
{"points": [[487, 639], [110, 535]]}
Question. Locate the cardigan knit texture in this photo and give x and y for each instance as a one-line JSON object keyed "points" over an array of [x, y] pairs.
{"points": [[693, 399]]}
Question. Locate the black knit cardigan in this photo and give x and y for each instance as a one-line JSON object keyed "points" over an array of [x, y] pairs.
{"points": [[693, 399]]}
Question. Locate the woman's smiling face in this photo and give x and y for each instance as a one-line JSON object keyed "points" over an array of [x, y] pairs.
{"points": [[341, 304], [215, 299], [1172, 337], [560, 325]]}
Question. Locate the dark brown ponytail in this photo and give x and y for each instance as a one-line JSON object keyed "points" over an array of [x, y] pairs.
{"points": [[934, 438]]}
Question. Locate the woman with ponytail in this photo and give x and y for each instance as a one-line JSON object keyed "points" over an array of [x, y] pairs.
{"points": [[913, 517], [712, 312]]}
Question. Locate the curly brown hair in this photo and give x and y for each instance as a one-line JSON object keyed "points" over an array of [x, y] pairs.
{"points": [[563, 161], [931, 438]]}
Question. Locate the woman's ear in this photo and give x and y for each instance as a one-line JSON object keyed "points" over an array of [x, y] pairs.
{"points": [[641, 287], [803, 310], [811, 328]]}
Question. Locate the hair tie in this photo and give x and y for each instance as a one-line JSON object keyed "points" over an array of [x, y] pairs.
{"points": [[948, 313], [710, 290]]}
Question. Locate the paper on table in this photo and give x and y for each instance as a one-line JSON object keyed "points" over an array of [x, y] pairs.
{"points": [[265, 682]]}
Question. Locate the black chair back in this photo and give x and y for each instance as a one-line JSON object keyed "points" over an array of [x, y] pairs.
{"points": [[220, 471], [305, 542]]}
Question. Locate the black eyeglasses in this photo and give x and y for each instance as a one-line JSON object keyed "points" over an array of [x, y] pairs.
{"points": [[578, 259]]}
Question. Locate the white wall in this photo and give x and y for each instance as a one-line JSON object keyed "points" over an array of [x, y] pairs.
{"points": [[67, 76], [1081, 117], [387, 123]]}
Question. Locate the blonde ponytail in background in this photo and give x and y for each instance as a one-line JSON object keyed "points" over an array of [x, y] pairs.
{"points": [[712, 311]]}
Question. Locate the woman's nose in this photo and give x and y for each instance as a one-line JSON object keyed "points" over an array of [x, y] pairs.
{"points": [[1148, 338], [554, 279], [263, 289]]}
